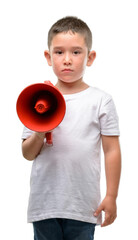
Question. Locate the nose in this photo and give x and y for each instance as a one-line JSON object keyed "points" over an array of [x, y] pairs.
{"points": [[67, 59]]}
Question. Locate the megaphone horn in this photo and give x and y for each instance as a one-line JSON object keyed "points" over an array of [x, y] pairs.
{"points": [[41, 108]]}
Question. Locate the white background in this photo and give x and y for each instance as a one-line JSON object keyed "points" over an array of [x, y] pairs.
{"points": [[23, 39]]}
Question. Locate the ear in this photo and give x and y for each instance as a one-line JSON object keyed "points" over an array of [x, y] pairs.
{"points": [[91, 58], [48, 57]]}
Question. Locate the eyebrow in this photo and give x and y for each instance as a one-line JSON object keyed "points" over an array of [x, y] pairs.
{"points": [[74, 47]]}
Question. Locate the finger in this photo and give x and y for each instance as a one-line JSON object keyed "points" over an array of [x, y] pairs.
{"points": [[98, 211], [40, 134], [108, 220]]}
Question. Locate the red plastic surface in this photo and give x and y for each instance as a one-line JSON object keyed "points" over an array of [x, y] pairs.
{"points": [[37, 120]]}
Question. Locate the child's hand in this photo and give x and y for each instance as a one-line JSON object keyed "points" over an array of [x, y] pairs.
{"points": [[108, 205], [47, 135], [41, 135]]}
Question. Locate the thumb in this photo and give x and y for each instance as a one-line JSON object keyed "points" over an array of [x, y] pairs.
{"points": [[98, 210]]}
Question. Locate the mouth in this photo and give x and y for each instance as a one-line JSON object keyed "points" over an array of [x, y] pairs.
{"points": [[67, 70]]}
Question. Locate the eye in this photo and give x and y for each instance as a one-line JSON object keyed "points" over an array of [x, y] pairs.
{"points": [[76, 52], [59, 52]]}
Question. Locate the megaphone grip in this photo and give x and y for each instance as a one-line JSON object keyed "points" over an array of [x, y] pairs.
{"points": [[49, 139]]}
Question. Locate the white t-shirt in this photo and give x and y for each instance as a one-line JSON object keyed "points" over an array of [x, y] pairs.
{"points": [[65, 178]]}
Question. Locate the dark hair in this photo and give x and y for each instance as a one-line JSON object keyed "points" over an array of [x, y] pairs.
{"points": [[73, 24]]}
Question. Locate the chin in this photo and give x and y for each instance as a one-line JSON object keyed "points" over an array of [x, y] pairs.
{"points": [[69, 80]]}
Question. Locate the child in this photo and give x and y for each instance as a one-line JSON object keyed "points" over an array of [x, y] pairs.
{"points": [[64, 198]]}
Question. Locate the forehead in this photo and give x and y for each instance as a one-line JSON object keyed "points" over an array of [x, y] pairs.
{"points": [[68, 39]]}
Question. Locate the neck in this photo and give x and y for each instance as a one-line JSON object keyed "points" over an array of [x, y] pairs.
{"points": [[70, 88]]}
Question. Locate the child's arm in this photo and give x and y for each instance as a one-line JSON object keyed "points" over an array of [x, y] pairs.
{"points": [[112, 154], [31, 146]]}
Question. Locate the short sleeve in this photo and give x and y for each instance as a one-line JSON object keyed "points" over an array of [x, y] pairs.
{"points": [[109, 122], [26, 133]]}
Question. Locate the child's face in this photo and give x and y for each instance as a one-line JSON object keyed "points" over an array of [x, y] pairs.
{"points": [[68, 56]]}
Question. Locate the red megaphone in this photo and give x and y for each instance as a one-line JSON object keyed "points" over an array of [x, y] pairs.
{"points": [[41, 108]]}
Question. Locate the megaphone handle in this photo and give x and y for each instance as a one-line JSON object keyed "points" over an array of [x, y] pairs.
{"points": [[49, 140]]}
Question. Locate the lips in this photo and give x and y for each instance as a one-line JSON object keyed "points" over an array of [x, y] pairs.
{"points": [[67, 70]]}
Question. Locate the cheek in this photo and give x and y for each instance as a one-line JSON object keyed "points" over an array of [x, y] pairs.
{"points": [[81, 65], [82, 60], [55, 64]]}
